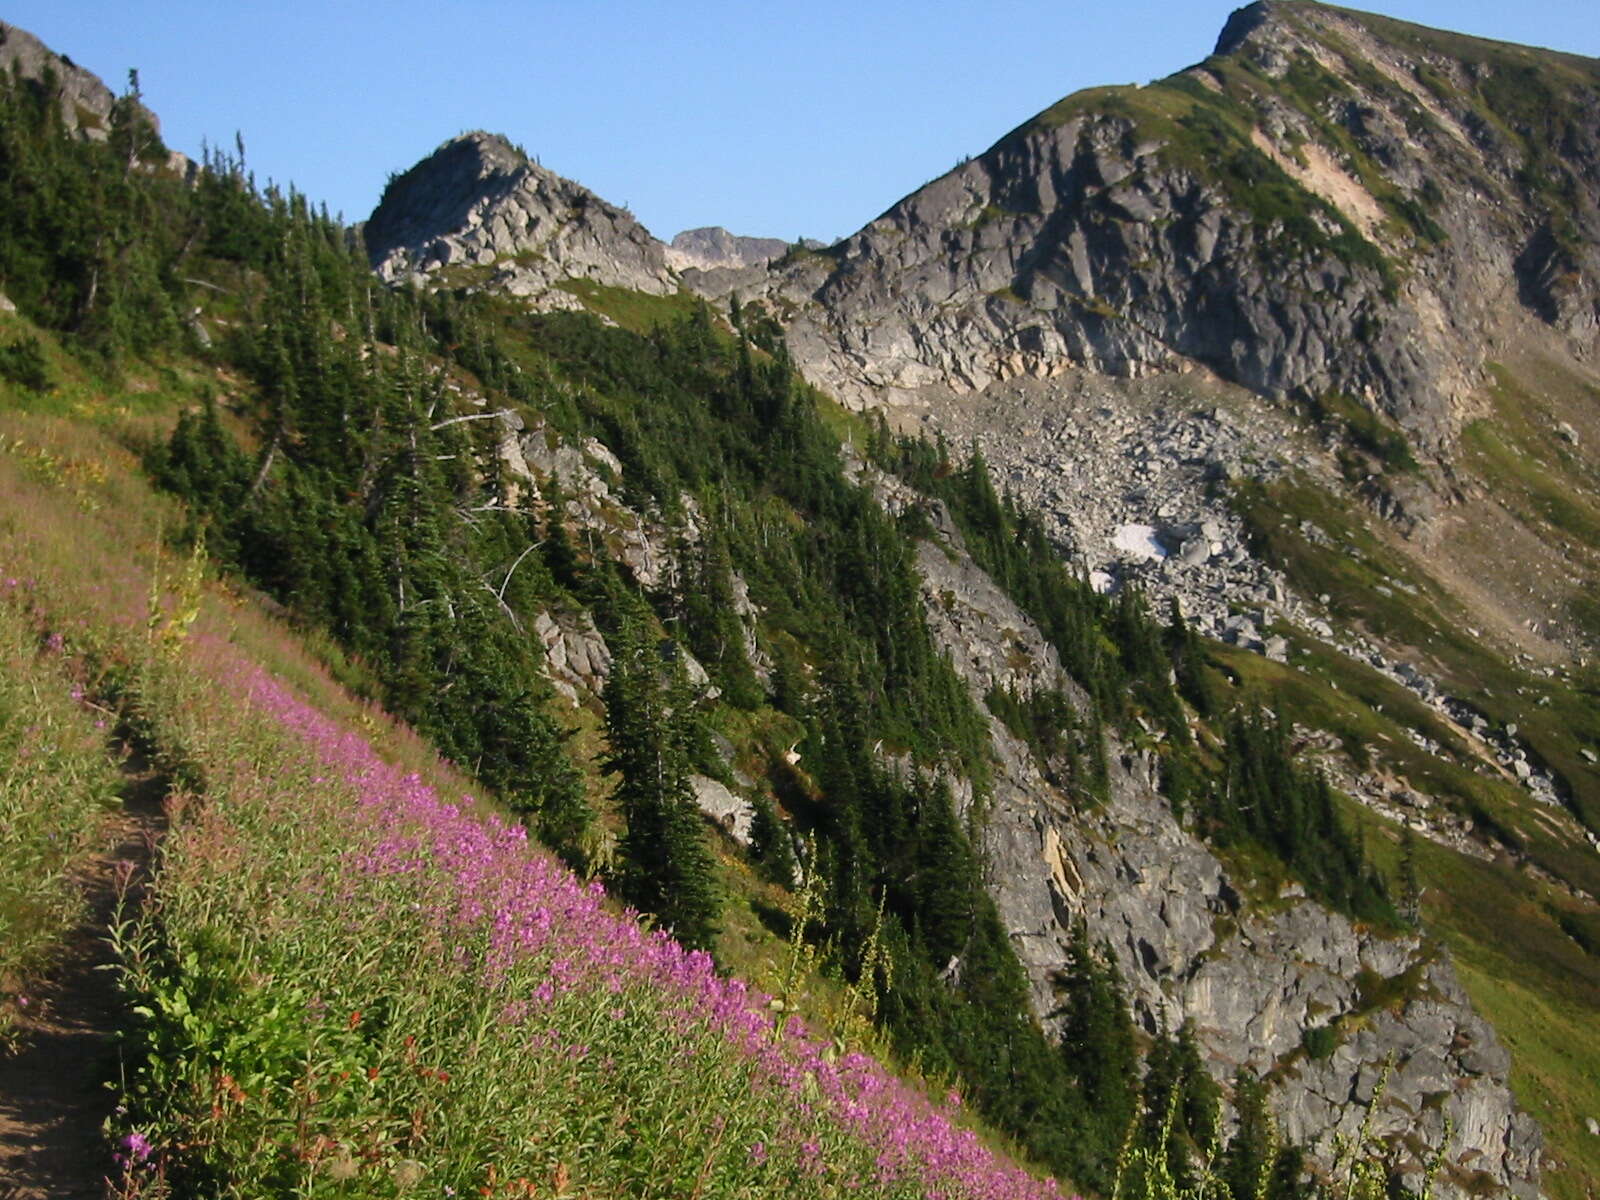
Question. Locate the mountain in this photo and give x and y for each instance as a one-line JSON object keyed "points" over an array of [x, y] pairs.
{"points": [[1112, 636], [478, 211], [712, 246], [1330, 203], [1296, 339]]}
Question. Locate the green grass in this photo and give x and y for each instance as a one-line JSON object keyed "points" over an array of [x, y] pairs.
{"points": [[845, 424], [1426, 625], [1352, 569], [1367, 430], [1509, 931], [57, 786], [1532, 471], [1538, 989], [638, 312]]}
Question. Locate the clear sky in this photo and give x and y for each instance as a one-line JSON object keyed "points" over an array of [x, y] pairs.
{"points": [[771, 120]]}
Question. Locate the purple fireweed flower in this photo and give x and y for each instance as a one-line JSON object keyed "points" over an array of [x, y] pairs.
{"points": [[497, 906], [138, 1147]]}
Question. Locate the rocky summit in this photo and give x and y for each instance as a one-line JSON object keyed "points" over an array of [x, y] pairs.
{"points": [[713, 246], [480, 212]]}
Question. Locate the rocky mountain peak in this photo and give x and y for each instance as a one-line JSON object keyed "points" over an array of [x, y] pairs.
{"points": [[712, 247], [86, 101], [480, 213], [1241, 23], [441, 191], [1334, 205]]}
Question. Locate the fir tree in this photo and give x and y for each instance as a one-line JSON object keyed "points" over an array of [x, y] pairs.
{"points": [[1098, 1048], [667, 869], [770, 845]]}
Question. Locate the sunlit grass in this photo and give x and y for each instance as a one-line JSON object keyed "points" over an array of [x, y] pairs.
{"points": [[57, 784]]}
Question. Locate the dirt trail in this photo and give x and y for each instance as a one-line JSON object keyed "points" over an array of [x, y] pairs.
{"points": [[53, 1094]]}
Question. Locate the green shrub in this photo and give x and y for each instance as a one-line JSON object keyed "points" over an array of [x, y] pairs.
{"points": [[1320, 1041], [22, 363]]}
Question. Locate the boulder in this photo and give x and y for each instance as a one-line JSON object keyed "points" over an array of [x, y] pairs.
{"points": [[732, 812]]}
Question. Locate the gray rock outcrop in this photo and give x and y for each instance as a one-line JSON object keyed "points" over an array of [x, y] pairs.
{"points": [[479, 213], [1251, 977], [732, 812], [85, 100], [713, 247], [1369, 242], [577, 659]]}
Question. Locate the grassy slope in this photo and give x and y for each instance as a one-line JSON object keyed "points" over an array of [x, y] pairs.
{"points": [[82, 529], [57, 785], [1532, 979]]}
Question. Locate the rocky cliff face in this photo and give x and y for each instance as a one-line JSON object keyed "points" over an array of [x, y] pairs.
{"points": [[85, 101], [713, 247], [478, 212], [1329, 203], [1252, 977]]}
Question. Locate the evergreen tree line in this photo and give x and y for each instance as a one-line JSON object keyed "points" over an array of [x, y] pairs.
{"points": [[100, 237], [365, 509], [1265, 797]]}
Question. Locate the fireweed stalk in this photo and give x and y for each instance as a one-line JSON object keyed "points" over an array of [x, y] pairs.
{"points": [[353, 986]]}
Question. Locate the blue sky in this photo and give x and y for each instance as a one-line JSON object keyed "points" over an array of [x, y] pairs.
{"points": [[771, 120]]}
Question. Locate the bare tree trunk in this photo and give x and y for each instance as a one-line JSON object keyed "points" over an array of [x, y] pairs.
{"points": [[266, 465]]}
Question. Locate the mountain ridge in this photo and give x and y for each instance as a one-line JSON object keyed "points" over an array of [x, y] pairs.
{"points": [[1106, 232]]}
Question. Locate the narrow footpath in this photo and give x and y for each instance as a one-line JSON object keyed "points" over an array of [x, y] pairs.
{"points": [[54, 1091]]}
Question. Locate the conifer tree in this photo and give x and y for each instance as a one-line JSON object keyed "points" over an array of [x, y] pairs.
{"points": [[770, 845], [667, 868], [1098, 1047], [1410, 888]]}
